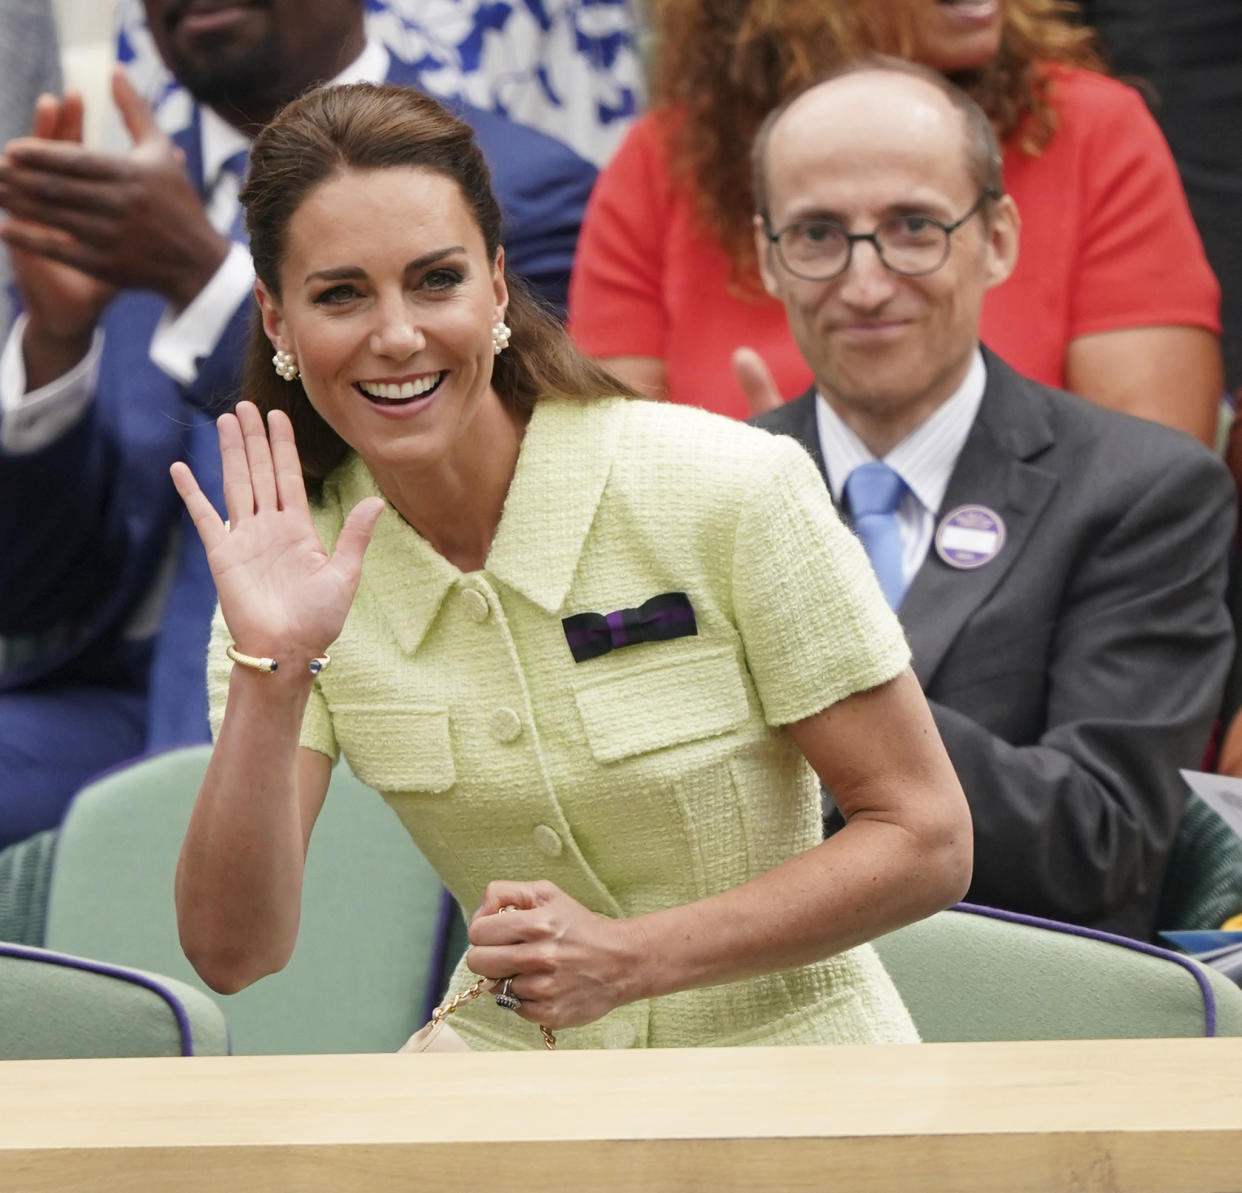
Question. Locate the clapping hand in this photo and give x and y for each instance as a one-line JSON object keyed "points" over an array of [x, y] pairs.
{"points": [[280, 592], [61, 302], [118, 220]]}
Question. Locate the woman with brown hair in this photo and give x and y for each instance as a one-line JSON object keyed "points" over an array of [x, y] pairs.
{"points": [[598, 656], [1112, 296]]}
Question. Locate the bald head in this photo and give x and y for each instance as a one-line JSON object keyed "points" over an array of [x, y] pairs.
{"points": [[903, 98]]}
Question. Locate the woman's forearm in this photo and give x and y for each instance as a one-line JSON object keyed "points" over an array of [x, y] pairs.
{"points": [[239, 879], [870, 878], [573, 965], [906, 851]]}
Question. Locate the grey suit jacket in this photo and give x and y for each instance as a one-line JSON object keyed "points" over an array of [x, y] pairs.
{"points": [[1074, 674]]}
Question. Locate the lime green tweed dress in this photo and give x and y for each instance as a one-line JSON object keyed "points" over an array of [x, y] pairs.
{"points": [[655, 774]]}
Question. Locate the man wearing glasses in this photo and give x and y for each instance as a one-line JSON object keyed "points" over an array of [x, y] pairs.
{"points": [[1059, 568]]}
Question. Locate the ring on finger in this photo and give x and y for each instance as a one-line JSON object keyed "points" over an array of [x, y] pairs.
{"points": [[505, 999]]}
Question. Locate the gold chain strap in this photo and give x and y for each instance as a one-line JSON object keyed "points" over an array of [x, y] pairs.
{"points": [[450, 1004]]}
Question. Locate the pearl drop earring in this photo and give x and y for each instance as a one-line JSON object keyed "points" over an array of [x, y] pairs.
{"points": [[286, 364], [501, 334]]}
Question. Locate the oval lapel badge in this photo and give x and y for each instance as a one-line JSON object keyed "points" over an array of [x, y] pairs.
{"points": [[970, 536]]}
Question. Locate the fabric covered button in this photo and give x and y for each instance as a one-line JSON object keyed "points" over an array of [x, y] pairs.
{"points": [[475, 604], [506, 725], [547, 840], [619, 1035]]}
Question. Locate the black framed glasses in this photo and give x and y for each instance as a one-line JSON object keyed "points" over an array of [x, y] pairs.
{"points": [[911, 244]]}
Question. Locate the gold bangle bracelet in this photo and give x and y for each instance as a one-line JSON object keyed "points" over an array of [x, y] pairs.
{"points": [[268, 666]]}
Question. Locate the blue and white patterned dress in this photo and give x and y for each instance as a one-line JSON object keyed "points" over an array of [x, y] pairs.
{"points": [[570, 68]]}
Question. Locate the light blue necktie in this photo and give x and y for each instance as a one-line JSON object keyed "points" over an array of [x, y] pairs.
{"points": [[874, 492]]}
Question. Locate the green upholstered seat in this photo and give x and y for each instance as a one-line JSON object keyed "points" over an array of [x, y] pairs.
{"points": [[969, 976], [25, 873], [359, 977], [54, 1005]]}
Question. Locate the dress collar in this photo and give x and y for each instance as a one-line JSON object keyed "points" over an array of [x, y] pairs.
{"points": [[562, 468]]}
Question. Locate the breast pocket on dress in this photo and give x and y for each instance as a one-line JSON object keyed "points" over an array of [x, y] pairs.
{"points": [[661, 703], [397, 749]]}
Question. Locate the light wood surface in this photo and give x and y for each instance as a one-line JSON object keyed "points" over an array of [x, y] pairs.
{"points": [[1128, 1116]]}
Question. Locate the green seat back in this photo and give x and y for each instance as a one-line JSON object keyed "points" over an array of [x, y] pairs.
{"points": [[25, 874], [967, 976], [1203, 878], [53, 1005], [359, 977]]}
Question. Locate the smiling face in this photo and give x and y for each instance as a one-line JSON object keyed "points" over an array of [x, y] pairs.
{"points": [[957, 35], [388, 299], [886, 350], [254, 55]]}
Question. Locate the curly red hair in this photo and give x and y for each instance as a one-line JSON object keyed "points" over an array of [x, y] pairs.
{"points": [[721, 65]]}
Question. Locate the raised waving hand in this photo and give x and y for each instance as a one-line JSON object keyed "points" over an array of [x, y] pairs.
{"points": [[281, 593]]}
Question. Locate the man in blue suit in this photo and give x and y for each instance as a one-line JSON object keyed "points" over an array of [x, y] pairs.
{"points": [[136, 295]]}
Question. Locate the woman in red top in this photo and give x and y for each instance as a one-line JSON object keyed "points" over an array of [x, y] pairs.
{"points": [[1112, 298]]}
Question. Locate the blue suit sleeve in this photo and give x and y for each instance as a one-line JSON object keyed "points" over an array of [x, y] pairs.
{"points": [[57, 545], [543, 187], [217, 386], [85, 520]]}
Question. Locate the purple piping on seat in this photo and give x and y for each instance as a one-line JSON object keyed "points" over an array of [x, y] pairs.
{"points": [[439, 946], [111, 971], [1139, 946]]}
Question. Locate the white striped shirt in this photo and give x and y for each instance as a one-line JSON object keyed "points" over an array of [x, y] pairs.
{"points": [[924, 459]]}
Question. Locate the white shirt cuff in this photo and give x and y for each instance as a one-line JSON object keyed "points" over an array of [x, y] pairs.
{"points": [[31, 421], [180, 342]]}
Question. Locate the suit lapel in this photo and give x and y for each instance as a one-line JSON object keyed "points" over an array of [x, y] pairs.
{"points": [[996, 469], [796, 418]]}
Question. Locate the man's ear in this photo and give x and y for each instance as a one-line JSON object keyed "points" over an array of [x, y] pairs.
{"points": [[1004, 233], [273, 320], [763, 251]]}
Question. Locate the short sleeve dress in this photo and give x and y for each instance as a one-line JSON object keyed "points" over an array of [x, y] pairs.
{"points": [[645, 777]]}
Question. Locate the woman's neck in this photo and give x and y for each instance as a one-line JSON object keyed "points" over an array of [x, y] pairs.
{"points": [[456, 501]]}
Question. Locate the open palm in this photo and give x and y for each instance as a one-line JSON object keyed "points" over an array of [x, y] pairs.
{"points": [[280, 592]]}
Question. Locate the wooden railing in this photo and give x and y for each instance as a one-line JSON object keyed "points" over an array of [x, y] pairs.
{"points": [[1126, 1116]]}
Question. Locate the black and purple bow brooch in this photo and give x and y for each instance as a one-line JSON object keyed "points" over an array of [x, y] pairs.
{"points": [[669, 615]]}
